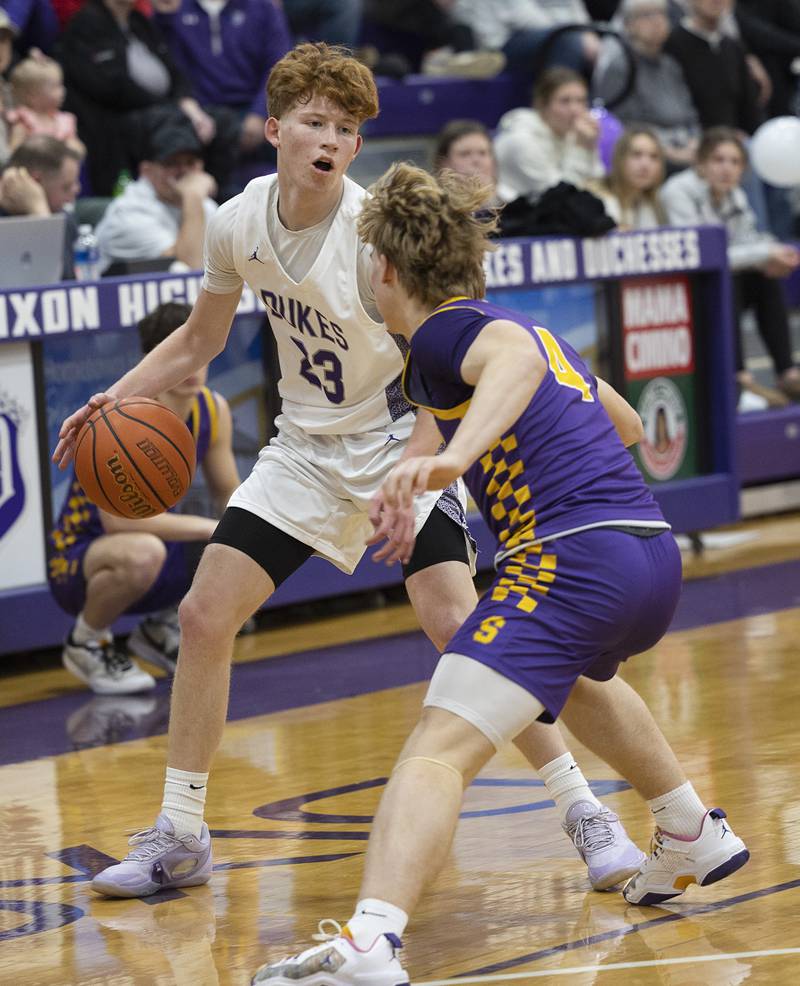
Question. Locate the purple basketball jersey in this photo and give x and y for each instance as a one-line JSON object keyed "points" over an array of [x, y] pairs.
{"points": [[561, 467]]}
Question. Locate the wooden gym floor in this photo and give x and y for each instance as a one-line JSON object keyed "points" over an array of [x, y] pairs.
{"points": [[318, 712]]}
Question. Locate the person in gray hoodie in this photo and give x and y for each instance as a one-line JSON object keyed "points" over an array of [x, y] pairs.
{"points": [[710, 193]]}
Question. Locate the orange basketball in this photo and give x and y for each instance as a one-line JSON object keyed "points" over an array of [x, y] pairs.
{"points": [[134, 458]]}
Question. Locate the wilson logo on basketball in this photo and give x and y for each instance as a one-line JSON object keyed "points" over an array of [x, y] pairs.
{"points": [[154, 454], [129, 493]]}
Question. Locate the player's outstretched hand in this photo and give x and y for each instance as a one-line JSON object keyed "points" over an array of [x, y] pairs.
{"points": [[415, 475], [65, 450], [392, 508], [394, 526]]}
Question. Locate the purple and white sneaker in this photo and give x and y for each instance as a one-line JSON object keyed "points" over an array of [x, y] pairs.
{"points": [[338, 962], [160, 860], [676, 862], [603, 844]]}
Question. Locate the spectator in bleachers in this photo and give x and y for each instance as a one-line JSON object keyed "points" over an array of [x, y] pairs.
{"points": [[730, 25], [715, 67], [164, 213], [660, 98], [41, 178], [631, 190], [553, 142], [711, 193], [35, 24], [771, 31], [465, 146], [337, 22], [227, 52], [426, 36], [521, 28], [37, 88], [121, 82]]}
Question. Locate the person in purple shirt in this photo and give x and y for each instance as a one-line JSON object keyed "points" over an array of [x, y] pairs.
{"points": [[227, 50], [588, 573]]}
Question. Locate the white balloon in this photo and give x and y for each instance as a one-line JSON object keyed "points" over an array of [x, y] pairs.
{"points": [[775, 151]]}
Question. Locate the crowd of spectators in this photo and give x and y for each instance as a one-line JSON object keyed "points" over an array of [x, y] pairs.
{"points": [[157, 107]]}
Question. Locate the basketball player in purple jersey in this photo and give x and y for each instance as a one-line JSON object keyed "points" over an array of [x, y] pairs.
{"points": [[588, 573], [101, 567], [344, 424]]}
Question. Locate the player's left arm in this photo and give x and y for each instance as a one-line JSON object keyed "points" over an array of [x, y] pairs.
{"points": [[425, 438], [505, 367], [624, 418], [219, 465], [396, 527]]}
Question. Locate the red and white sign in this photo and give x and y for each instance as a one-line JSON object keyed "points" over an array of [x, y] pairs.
{"points": [[658, 327]]}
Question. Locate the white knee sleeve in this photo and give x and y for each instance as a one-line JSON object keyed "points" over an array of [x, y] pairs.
{"points": [[496, 706]]}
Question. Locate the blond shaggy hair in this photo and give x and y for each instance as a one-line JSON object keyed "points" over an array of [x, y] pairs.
{"points": [[430, 229], [328, 71]]}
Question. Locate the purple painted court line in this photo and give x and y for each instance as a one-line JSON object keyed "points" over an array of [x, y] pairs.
{"points": [[686, 911], [80, 720]]}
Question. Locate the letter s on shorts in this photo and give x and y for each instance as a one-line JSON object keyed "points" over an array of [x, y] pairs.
{"points": [[490, 627]]}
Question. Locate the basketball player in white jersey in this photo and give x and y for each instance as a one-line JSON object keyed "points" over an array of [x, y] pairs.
{"points": [[292, 238]]}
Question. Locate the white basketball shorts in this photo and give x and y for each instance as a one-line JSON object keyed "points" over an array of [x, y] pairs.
{"points": [[317, 488]]}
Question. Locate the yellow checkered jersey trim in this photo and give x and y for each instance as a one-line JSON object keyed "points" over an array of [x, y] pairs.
{"points": [[73, 522], [528, 575], [511, 507]]}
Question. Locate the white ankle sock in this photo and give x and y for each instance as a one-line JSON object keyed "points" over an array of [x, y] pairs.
{"points": [[679, 812], [184, 800], [566, 784], [82, 633], [373, 917]]}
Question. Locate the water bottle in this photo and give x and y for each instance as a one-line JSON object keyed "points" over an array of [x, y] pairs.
{"points": [[86, 255]]}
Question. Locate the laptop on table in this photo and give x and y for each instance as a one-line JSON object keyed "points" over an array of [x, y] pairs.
{"points": [[31, 250]]}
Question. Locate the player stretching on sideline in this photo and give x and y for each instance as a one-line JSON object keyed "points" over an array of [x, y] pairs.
{"points": [[588, 572], [292, 238]]}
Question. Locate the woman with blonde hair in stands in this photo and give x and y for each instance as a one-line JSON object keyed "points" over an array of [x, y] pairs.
{"points": [[630, 191]]}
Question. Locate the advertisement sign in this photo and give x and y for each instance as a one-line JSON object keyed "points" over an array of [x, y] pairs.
{"points": [[659, 367], [22, 553], [567, 310]]}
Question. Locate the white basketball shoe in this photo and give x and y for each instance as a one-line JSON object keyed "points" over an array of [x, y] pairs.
{"points": [[105, 668], [676, 862], [339, 962]]}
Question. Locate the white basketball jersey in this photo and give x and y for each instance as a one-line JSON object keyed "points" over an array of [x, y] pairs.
{"points": [[339, 368]]}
